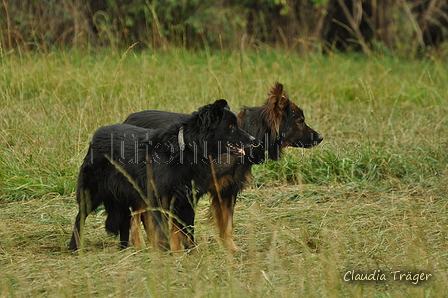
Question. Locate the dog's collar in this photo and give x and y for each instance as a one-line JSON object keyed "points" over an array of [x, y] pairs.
{"points": [[180, 138]]}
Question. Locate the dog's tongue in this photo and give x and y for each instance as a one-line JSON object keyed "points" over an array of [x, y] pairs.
{"points": [[238, 149]]}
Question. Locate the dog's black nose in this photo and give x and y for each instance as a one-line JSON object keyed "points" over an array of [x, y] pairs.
{"points": [[254, 141], [318, 139]]}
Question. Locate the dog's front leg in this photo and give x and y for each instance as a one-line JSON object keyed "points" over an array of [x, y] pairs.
{"points": [[222, 209]]}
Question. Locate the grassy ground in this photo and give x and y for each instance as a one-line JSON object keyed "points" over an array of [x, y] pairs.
{"points": [[372, 196]]}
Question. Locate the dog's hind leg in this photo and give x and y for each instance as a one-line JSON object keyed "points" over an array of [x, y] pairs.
{"points": [[176, 237], [182, 233], [118, 221], [124, 227], [155, 224], [145, 212], [179, 238], [136, 231]]}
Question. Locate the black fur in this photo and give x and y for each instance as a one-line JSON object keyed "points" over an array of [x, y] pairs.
{"points": [[208, 133]]}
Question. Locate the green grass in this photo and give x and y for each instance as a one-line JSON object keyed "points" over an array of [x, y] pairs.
{"points": [[372, 196]]}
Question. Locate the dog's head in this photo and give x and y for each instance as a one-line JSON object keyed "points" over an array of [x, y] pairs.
{"points": [[288, 121], [219, 130], [298, 134], [279, 123]]}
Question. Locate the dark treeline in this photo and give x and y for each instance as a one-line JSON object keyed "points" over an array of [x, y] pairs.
{"points": [[303, 25]]}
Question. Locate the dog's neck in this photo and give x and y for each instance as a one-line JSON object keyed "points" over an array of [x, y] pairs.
{"points": [[184, 142], [251, 120]]}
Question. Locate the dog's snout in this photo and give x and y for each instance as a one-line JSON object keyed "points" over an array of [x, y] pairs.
{"points": [[249, 136], [316, 137]]}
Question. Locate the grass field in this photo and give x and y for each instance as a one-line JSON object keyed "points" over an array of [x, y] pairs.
{"points": [[372, 196]]}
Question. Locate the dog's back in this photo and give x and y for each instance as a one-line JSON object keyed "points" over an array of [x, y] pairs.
{"points": [[155, 119]]}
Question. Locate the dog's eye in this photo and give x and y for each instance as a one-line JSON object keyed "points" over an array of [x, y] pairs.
{"points": [[230, 126]]}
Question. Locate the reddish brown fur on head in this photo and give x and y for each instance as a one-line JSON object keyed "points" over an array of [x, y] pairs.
{"points": [[273, 108]]}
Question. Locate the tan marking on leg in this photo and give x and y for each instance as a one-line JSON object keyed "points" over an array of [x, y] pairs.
{"points": [[136, 231], [223, 216], [148, 224], [221, 213], [226, 230], [176, 238]]}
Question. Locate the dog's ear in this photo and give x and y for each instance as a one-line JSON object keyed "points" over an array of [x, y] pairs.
{"points": [[210, 115], [278, 96], [217, 110], [221, 104], [273, 108]]}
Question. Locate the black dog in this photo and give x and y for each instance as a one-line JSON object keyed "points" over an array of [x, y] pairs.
{"points": [[277, 124], [116, 172]]}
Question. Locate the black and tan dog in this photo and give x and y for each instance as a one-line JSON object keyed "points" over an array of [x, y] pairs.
{"points": [[277, 124], [178, 161]]}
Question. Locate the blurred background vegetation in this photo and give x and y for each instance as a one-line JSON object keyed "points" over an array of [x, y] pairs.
{"points": [[388, 26]]}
